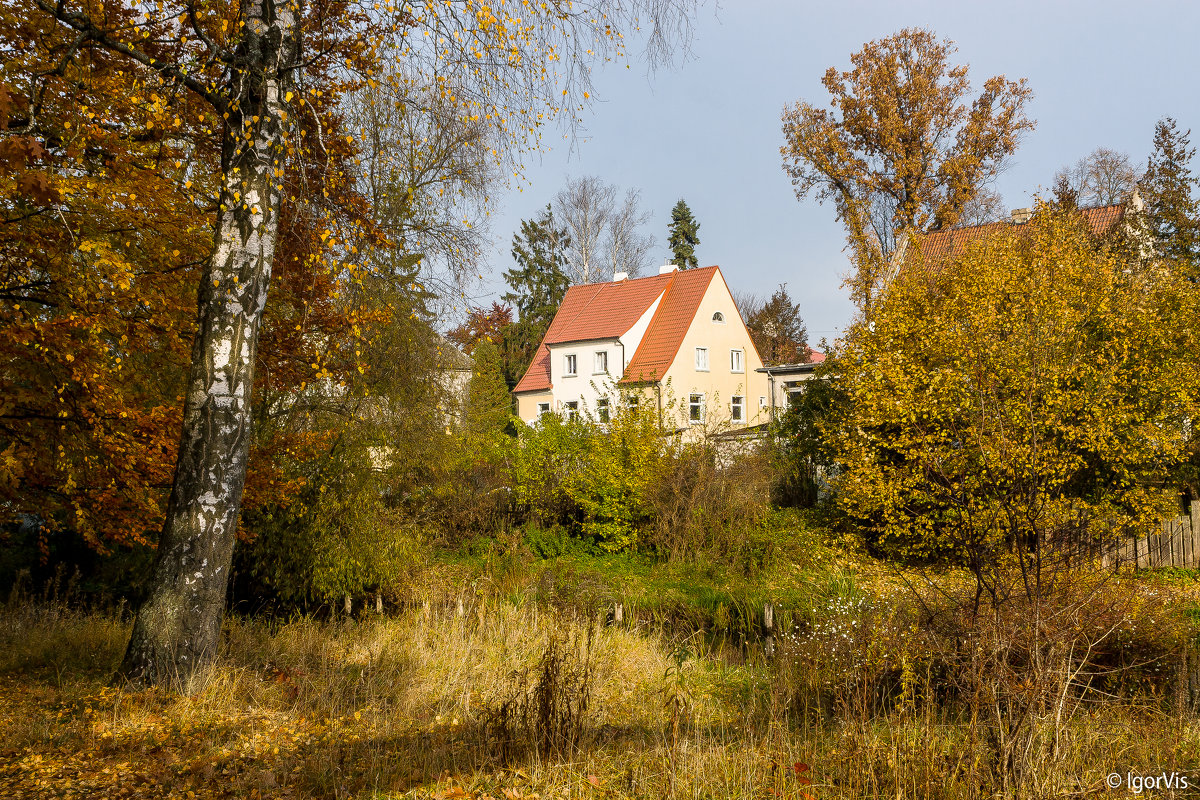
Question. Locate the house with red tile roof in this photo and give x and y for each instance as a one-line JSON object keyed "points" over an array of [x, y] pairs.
{"points": [[674, 339], [938, 247]]}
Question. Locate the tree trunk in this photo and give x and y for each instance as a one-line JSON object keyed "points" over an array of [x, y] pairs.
{"points": [[177, 630]]}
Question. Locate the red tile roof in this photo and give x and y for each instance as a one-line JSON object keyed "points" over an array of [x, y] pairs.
{"points": [[940, 246], [607, 310], [671, 321]]}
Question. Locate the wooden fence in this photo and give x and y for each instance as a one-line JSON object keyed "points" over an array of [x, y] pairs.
{"points": [[1175, 543]]}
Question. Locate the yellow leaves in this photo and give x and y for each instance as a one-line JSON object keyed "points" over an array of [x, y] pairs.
{"points": [[1004, 382]]}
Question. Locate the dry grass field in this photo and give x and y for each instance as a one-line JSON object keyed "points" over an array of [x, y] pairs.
{"points": [[509, 701]]}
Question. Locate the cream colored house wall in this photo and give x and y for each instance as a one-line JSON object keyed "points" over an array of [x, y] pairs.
{"points": [[719, 384], [527, 404], [781, 393], [587, 385]]}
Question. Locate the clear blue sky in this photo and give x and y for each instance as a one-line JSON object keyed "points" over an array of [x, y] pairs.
{"points": [[708, 130]]}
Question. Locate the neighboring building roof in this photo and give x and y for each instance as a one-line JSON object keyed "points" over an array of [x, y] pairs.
{"points": [[601, 311], [940, 246], [815, 357]]}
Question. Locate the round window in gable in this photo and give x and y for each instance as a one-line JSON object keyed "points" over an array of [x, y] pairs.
{"points": [[718, 317]]}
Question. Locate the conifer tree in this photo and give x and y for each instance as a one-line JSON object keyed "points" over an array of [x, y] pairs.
{"points": [[1172, 212], [683, 236], [537, 286], [488, 403]]}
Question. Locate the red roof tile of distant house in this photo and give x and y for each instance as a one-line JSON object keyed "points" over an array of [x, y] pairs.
{"points": [[607, 310], [940, 246]]}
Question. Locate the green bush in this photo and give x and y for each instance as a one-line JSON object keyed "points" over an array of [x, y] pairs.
{"points": [[594, 479]]}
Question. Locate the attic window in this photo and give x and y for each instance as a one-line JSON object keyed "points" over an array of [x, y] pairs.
{"points": [[718, 317]]}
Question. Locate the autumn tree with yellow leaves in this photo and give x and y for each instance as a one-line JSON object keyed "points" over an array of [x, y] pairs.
{"points": [[232, 108], [903, 145], [1018, 405]]}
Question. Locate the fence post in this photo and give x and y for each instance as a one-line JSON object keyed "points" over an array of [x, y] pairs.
{"points": [[1195, 538], [769, 629]]}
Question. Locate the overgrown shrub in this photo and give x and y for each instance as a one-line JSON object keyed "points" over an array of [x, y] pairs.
{"points": [[595, 479], [545, 708], [626, 485], [1019, 677], [701, 506]]}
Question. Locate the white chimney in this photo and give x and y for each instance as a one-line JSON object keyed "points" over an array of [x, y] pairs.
{"points": [[620, 276], [667, 268]]}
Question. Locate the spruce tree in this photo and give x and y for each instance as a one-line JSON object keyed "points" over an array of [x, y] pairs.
{"points": [[488, 401], [1172, 212], [683, 236], [536, 288]]}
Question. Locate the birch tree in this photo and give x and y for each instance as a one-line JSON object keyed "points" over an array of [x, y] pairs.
{"points": [[268, 68], [1103, 177], [605, 230]]}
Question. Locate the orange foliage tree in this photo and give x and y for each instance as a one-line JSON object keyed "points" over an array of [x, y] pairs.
{"points": [[904, 147], [227, 113]]}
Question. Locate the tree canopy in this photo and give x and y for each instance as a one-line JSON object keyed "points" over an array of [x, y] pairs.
{"points": [[904, 147], [1026, 399], [1168, 189], [778, 331], [605, 230], [537, 285]]}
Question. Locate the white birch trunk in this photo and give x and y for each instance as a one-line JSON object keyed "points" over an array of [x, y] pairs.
{"points": [[177, 630]]}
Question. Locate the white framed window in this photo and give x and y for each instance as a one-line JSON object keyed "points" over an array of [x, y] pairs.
{"points": [[631, 401], [735, 361], [702, 359], [737, 408], [762, 402], [718, 317], [543, 408], [572, 407], [602, 413], [695, 408], [569, 365], [600, 362]]}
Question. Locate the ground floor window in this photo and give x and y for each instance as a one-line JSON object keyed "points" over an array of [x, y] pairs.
{"points": [[737, 408], [602, 409], [572, 407], [696, 408]]}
